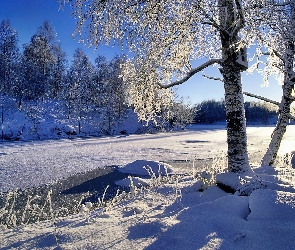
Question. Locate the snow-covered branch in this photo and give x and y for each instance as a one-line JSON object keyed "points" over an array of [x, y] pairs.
{"points": [[274, 52], [191, 73], [211, 20], [268, 100], [212, 78], [240, 11], [261, 98]]}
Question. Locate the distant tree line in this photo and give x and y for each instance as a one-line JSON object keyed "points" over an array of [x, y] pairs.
{"points": [[212, 111]]}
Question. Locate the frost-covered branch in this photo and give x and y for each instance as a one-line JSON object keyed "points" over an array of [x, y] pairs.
{"points": [[240, 11], [211, 20], [268, 100], [212, 78], [261, 98], [191, 73], [274, 52]]}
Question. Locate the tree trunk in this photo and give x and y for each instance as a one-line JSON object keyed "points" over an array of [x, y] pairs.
{"points": [[234, 61], [284, 110], [235, 119]]}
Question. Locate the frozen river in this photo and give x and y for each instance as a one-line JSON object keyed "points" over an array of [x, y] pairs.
{"points": [[32, 163]]}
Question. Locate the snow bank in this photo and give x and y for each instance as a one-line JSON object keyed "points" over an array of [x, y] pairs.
{"points": [[271, 205], [144, 167]]}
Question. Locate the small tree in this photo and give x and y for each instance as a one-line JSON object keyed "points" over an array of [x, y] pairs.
{"points": [[58, 68], [180, 113], [110, 90], [59, 72], [37, 64]]}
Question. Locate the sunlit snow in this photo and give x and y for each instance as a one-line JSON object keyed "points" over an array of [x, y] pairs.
{"points": [[172, 216]]}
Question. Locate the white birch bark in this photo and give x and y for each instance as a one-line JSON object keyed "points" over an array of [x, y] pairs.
{"points": [[286, 33], [234, 100]]}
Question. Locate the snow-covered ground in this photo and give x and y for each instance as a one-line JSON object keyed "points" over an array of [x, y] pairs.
{"points": [[172, 216]]}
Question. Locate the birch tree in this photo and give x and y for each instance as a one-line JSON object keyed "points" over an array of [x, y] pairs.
{"points": [[81, 75], [37, 64], [275, 30], [59, 64], [165, 37]]}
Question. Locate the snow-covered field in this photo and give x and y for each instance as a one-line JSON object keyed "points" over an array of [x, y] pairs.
{"points": [[172, 216]]}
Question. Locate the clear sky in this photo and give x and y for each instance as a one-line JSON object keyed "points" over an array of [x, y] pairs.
{"points": [[27, 15]]}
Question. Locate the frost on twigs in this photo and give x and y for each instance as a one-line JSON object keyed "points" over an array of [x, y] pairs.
{"points": [[164, 38], [147, 98]]}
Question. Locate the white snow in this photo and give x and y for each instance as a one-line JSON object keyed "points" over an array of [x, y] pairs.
{"points": [[229, 179], [136, 181], [171, 216]]}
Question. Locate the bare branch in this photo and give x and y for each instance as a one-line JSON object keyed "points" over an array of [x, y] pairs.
{"points": [[213, 78], [191, 73], [262, 98]]}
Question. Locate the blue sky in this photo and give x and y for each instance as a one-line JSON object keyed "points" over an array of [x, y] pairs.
{"points": [[27, 15]]}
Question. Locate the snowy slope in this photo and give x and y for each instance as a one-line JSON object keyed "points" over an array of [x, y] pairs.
{"points": [[171, 216]]}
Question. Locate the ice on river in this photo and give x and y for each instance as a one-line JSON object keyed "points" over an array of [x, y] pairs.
{"points": [[32, 163]]}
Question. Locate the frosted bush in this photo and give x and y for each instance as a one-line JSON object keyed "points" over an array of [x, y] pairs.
{"points": [[284, 160], [207, 174], [36, 208]]}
